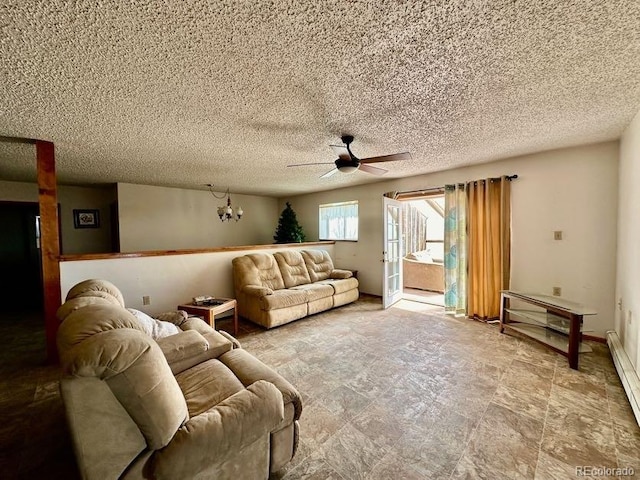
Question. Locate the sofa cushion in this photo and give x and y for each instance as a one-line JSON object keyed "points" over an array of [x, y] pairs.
{"points": [[292, 267], [283, 299], [258, 269], [319, 264], [207, 384], [315, 291], [341, 285]]}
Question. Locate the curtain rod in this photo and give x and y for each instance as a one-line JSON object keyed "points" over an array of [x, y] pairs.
{"points": [[436, 189], [508, 177]]}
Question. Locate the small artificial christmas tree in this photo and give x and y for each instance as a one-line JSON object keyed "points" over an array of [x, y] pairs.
{"points": [[289, 230]]}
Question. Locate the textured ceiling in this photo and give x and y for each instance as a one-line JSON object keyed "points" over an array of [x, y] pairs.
{"points": [[184, 93]]}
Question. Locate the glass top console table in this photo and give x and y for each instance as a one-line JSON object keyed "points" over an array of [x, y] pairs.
{"points": [[556, 322]]}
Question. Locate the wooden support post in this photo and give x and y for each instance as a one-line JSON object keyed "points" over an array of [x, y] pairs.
{"points": [[50, 246]]}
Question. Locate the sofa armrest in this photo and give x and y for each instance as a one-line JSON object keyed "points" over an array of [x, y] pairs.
{"points": [[182, 346], [256, 291], [337, 273], [177, 317], [234, 341], [208, 439]]}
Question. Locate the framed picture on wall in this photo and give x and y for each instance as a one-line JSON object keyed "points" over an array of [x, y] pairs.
{"points": [[86, 218]]}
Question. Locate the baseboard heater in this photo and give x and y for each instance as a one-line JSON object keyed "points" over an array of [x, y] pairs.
{"points": [[626, 372]]}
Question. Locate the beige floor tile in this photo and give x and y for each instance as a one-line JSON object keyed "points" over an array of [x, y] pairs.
{"points": [[530, 404], [406, 392], [350, 453], [393, 468], [576, 438]]}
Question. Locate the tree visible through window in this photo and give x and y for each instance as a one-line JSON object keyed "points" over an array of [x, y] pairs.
{"points": [[339, 221]]}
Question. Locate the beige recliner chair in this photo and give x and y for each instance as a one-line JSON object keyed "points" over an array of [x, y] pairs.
{"points": [[190, 405]]}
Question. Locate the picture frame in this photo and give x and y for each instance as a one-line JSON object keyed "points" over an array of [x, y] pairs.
{"points": [[86, 218]]}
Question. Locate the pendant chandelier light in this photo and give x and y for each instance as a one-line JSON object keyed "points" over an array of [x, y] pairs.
{"points": [[226, 212]]}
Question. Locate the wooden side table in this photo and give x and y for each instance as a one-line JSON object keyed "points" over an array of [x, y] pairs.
{"points": [[209, 312]]}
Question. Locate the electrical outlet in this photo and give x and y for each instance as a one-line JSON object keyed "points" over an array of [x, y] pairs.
{"points": [[557, 291], [146, 300], [629, 317], [557, 235], [620, 304]]}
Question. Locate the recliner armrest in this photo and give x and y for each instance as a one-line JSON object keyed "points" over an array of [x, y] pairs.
{"points": [[217, 344], [210, 438], [182, 346], [338, 273], [249, 369], [257, 291]]}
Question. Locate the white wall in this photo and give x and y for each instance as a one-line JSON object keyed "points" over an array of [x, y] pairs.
{"points": [[168, 279], [161, 218], [628, 261], [74, 241], [573, 190]]}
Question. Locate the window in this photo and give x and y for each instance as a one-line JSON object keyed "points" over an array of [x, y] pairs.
{"points": [[339, 221]]}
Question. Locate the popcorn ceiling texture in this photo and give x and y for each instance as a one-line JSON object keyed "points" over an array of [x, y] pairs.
{"points": [[184, 93]]}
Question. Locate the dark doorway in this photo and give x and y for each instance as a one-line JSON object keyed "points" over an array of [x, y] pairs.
{"points": [[20, 271]]}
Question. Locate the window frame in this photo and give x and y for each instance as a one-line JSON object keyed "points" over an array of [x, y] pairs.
{"points": [[344, 218]]}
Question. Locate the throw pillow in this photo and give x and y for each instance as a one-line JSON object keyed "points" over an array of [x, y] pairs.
{"points": [[154, 328]]}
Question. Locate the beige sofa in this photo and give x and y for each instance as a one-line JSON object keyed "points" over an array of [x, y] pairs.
{"points": [[189, 405], [274, 289], [420, 271]]}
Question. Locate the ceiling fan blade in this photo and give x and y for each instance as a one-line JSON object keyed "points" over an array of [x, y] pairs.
{"points": [[371, 169], [341, 151], [329, 173], [305, 164], [387, 158]]}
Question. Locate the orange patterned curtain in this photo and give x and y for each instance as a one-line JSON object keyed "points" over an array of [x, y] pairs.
{"points": [[489, 255]]}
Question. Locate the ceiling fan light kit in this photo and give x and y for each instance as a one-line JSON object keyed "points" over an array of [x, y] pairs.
{"points": [[346, 166], [348, 163]]}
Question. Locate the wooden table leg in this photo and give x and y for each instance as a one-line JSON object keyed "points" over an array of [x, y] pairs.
{"points": [[211, 319], [235, 320], [574, 340]]}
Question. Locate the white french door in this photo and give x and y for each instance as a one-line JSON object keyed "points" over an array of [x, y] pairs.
{"points": [[392, 252]]}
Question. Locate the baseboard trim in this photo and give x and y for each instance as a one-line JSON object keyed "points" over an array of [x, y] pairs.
{"points": [[593, 338], [626, 372]]}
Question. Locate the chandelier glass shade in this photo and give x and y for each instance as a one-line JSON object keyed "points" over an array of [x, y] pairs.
{"points": [[226, 212]]}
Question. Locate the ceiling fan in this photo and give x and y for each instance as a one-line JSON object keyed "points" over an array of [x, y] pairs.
{"points": [[347, 162]]}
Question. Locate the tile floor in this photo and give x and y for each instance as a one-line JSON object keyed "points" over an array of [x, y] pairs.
{"points": [[424, 296], [406, 393]]}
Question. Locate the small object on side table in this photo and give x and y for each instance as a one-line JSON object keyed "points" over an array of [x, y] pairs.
{"points": [[209, 307]]}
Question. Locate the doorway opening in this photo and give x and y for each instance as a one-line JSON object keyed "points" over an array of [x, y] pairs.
{"points": [[423, 241], [21, 286]]}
